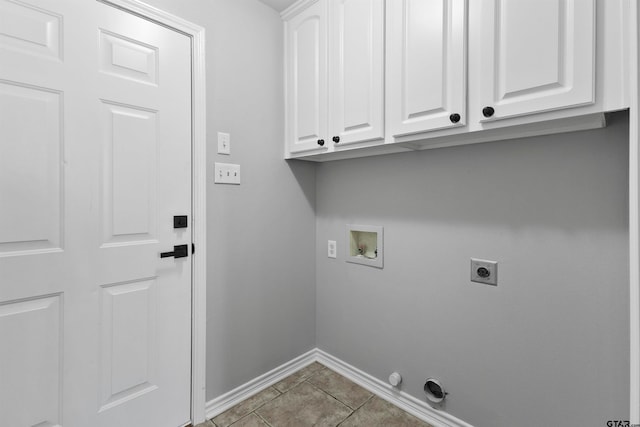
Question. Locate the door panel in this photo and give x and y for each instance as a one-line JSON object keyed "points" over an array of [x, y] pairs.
{"points": [[95, 160], [29, 29], [41, 350], [426, 64], [129, 163], [523, 31], [536, 55], [128, 58], [30, 174], [357, 70], [128, 341]]}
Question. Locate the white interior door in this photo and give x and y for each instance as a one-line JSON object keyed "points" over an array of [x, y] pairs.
{"points": [[95, 161]]}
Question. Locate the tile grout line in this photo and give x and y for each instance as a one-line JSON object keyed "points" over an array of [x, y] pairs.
{"points": [[281, 393], [344, 403], [343, 421], [333, 397], [254, 409], [263, 420], [354, 412], [270, 400], [365, 402]]}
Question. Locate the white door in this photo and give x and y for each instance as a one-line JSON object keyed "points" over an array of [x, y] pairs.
{"points": [[306, 70], [356, 77], [95, 161], [535, 55], [426, 69]]}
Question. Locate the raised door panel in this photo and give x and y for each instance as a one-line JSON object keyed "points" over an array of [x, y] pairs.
{"points": [[536, 55], [128, 342], [31, 154], [127, 58], [356, 78], [129, 175], [426, 65], [307, 79], [31, 362], [28, 29]]}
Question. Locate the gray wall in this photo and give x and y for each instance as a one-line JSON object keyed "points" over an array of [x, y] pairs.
{"points": [[549, 345], [261, 283]]}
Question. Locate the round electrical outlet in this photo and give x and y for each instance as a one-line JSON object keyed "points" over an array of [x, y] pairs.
{"points": [[483, 272]]}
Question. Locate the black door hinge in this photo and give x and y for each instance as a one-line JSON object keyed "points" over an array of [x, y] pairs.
{"points": [[193, 248]]}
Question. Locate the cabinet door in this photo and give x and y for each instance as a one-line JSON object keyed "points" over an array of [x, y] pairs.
{"points": [[356, 77], [535, 56], [306, 79], [426, 70]]}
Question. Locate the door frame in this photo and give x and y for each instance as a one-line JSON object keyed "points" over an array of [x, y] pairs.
{"points": [[198, 198], [634, 212]]}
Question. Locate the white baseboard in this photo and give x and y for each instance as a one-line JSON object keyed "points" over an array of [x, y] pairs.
{"points": [[383, 390], [387, 392], [230, 399]]}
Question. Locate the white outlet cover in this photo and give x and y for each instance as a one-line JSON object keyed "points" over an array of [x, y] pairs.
{"points": [[332, 249], [490, 269], [224, 143]]}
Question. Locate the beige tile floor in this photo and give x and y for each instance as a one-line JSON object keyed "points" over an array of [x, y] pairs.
{"points": [[314, 396]]}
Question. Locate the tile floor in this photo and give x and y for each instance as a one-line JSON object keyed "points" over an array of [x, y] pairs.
{"points": [[314, 396]]}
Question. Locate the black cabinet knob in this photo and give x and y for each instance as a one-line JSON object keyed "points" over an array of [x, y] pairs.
{"points": [[321, 142], [488, 111], [455, 118], [336, 139]]}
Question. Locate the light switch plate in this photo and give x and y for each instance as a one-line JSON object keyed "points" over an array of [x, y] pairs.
{"points": [[331, 249], [227, 173], [224, 143], [484, 271]]}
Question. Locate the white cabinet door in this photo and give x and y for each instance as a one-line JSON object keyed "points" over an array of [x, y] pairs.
{"points": [[426, 70], [306, 79], [535, 56], [356, 77]]}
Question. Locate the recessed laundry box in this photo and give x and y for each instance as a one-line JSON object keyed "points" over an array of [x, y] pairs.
{"points": [[365, 245]]}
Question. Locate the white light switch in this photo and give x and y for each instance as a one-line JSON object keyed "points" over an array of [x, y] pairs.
{"points": [[224, 143], [227, 173]]}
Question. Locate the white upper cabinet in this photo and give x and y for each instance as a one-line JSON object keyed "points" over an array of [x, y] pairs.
{"points": [[426, 69], [356, 71], [379, 76], [306, 79], [535, 56]]}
